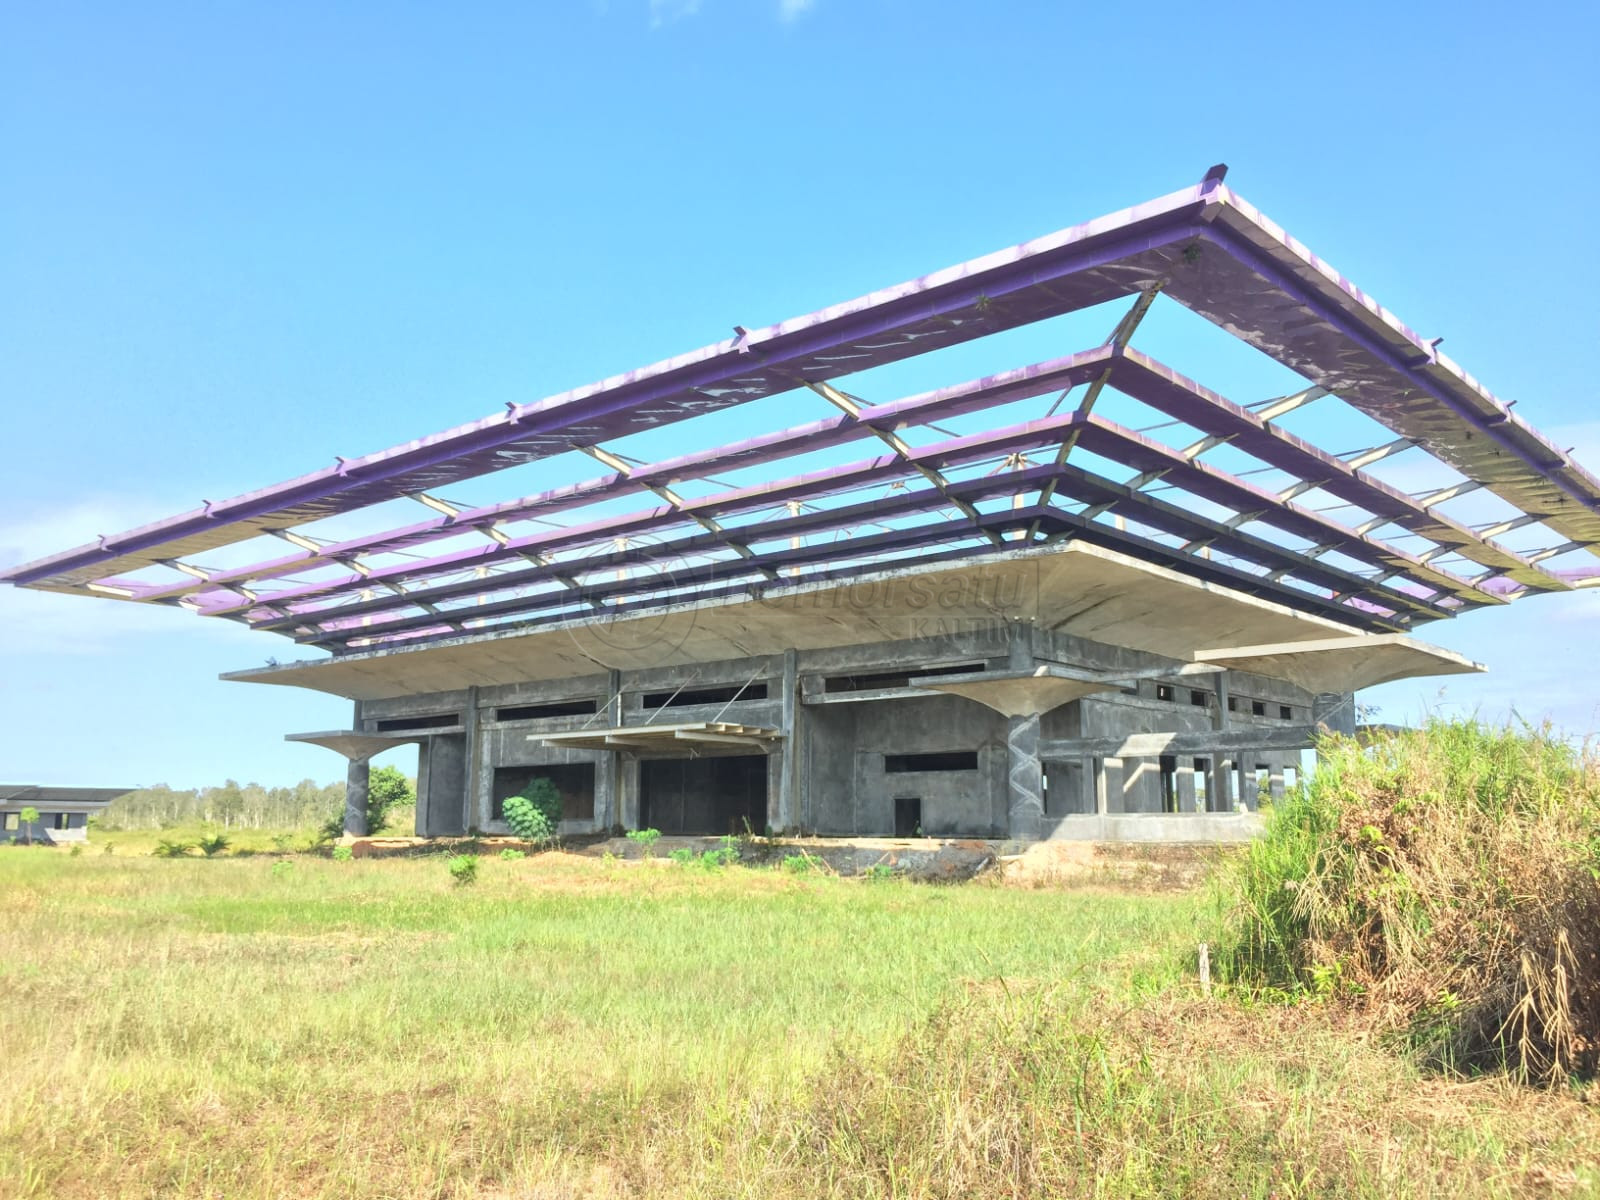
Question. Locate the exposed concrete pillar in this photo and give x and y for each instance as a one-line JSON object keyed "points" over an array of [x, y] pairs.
{"points": [[781, 813], [474, 814], [1249, 787], [357, 782], [1088, 782], [1336, 710], [1219, 795], [1024, 777], [1112, 774], [1183, 773]]}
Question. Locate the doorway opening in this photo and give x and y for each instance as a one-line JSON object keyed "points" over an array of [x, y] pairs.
{"points": [[907, 816], [701, 796]]}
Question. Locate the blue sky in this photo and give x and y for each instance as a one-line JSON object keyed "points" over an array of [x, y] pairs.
{"points": [[237, 240]]}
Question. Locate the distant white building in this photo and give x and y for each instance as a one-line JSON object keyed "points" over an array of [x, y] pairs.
{"points": [[64, 812]]}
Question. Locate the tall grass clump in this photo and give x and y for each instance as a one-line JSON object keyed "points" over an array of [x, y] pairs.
{"points": [[1444, 882]]}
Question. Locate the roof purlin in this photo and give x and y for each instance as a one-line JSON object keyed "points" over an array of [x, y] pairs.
{"points": [[1110, 440]]}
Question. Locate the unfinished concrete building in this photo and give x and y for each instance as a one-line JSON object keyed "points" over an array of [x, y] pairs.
{"points": [[1081, 597]]}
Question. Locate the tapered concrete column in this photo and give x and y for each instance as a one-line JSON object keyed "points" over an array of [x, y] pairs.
{"points": [[1336, 710], [357, 782], [1024, 777]]}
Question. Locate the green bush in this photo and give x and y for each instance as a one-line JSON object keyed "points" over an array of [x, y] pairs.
{"points": [[510, 854], [683, 856], [213, 844], [534, 814], [464, 869], [878, 872], [282, 869], [1442, 882], [799, 864], [343, 853], [169, 848]]}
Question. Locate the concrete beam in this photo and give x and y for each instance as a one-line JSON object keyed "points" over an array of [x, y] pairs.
{"points": [[1199, 743]]}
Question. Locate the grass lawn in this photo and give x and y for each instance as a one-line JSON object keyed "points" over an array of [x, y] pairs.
{"points": [[566, 1027]]}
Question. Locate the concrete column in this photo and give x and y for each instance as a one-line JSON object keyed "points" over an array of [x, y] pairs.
{"points": [[1248, 785], [1112, 776], [1088, 800], [1336, 710], [1024, 777], [1219, 797], [355, 797], [474, 813], [1184, 774], [781, 811]]}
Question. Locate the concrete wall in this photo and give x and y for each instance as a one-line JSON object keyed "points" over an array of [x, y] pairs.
{"points": [[830, 769]]}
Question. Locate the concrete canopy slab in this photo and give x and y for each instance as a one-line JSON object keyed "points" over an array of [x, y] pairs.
{"points": [[697, 739], [1075, 588], [357, 746], [1343, 664]]}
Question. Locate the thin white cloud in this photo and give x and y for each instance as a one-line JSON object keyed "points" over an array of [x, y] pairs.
{"points": [[792, 10], [664, 12]]}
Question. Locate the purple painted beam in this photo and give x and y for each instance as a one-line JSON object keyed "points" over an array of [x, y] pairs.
{"points": [[1080, 485], [1097, 435], [942, 404]]}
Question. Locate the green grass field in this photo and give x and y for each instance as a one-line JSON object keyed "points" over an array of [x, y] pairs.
{"points": [[568, 1027]]}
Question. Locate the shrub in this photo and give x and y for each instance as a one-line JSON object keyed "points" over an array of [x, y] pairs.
{"points": [[646, 839], [683, 856], [169, 848], [213, 844], [534, 814], [1445, 883], [343, 853], [464, 869], [798, 864], [282, 869], [511, 854], [387, 789], [878, 872]]}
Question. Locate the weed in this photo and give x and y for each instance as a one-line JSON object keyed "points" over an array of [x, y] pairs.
{"points": [[512, 854], [683, 856], [282, 869], [1439, 883], [798, 864], [878, 873], [213, 844], [343, 853], [170, 848], [646, 840], [464, 869]]}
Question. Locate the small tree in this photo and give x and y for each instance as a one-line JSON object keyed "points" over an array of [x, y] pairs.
{"points": [[534, 814], [29, 817]]}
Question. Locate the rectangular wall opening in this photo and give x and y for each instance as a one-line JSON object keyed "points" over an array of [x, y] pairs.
{"points": [[538, 712], [1169, 783], [710, 695], [432, 721], [907, 816], [949, 760], [871, 681], [575, 782], [704, 796]]}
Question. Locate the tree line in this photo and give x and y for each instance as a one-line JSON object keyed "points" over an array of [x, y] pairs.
{"points": [[231, 805]]}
